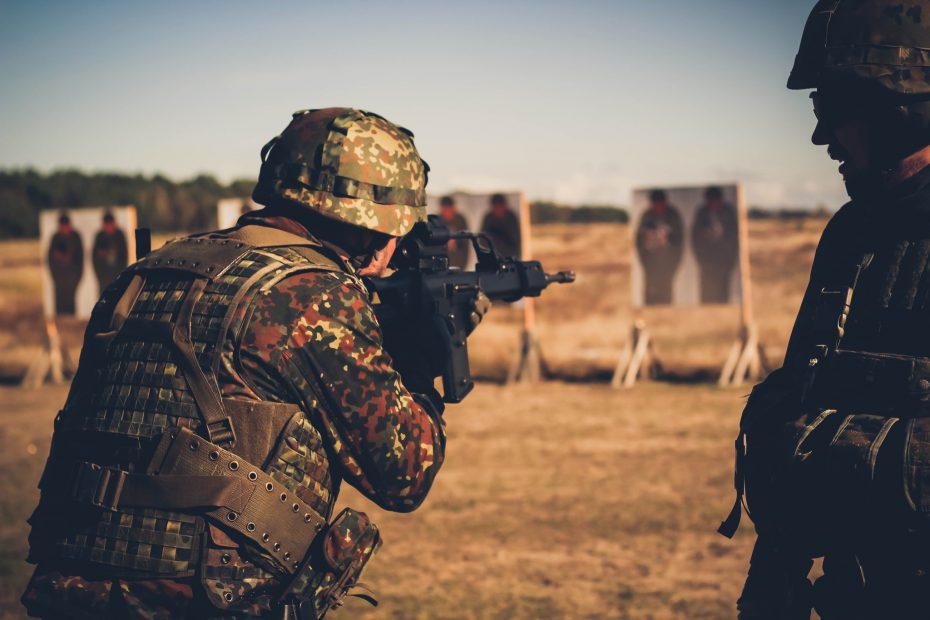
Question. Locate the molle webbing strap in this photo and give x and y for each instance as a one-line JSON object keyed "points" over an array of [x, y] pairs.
{"points": [[832, 313], [189, 473], [217, 423]]}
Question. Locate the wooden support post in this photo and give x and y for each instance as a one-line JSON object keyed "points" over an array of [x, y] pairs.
{"points": [[637, 360], [528, 365], [52, 364], [746, 360]]}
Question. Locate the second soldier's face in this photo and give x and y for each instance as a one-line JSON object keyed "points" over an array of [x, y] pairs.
{"points": [[849, 137], [848, 143]]}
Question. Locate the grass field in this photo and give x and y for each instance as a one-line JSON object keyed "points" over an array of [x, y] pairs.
{"points": [[561, 500]]}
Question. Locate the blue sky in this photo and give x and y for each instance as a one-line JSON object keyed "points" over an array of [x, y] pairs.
{"points": [[577, 102]]}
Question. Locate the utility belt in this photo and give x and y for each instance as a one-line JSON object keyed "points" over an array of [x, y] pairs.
{"points": [[864, 382], [871, 392], [317, 562]]}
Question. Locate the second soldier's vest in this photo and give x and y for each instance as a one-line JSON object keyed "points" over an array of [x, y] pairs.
{"points": [[860, 451], [153, 474]]}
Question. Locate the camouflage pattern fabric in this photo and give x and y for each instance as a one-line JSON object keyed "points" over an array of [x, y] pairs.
{"points": [[369, 172], [882, 41], [307, 336], [64, 597], [389, 444], [351, 540]]}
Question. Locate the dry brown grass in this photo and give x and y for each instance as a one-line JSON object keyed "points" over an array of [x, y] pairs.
{"points": [[583, 326], [557, 500]]}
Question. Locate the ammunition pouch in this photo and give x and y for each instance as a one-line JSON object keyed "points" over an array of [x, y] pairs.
{"points": [[333, 566]]}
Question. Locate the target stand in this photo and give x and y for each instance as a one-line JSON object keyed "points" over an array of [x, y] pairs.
{"points": [[637, 360], [746, 361], [53, 364]]}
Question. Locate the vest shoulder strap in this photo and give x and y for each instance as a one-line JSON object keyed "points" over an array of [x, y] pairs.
{"points": [[267, 236], [202, 257]]}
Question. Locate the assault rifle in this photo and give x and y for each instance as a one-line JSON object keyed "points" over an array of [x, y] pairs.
{"points": [[423, 285]]}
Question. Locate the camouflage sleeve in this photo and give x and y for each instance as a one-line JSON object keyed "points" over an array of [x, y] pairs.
{"points": [[316, 334]]}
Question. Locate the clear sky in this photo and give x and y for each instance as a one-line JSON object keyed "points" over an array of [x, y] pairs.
{"points": [[574, 101]]}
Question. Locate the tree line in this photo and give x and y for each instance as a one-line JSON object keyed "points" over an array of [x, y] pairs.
{"points": [[161, 203], [165, 205]]}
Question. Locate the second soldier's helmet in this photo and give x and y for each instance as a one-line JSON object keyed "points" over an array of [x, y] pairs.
{"points": [[348, 165], [882, 46]]}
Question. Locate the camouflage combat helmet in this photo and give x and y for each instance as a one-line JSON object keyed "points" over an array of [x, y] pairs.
{"points": [[348, 165], [885, 42]]}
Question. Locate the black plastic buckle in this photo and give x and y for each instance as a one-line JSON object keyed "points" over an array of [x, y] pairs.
{"points": [[222, 433], [98, 486]]}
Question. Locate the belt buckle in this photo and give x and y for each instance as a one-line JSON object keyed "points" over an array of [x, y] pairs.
{"points": [[99, 486], [222, 433]]}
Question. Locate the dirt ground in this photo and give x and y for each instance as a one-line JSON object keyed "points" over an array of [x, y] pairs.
{"points": [[562, 500], [555, 501]]}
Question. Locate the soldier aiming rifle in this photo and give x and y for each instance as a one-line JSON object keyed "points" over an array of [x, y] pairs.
{"points": [[231, 381]]}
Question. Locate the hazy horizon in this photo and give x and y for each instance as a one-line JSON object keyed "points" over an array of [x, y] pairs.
{"points": [[572, 104]]}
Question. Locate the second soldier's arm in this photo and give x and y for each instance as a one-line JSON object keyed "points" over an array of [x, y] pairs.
{"points": [[318, 334], [777, 585]]}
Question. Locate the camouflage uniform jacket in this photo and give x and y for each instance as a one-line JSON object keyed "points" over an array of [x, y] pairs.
{"points": [[310, 339]]}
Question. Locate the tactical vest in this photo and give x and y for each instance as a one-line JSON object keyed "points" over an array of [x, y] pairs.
{"points": [[152, 473], [864, 402]]}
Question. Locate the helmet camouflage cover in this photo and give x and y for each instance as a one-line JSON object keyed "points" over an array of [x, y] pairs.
{"points": [[348, 165], [883, 42]]}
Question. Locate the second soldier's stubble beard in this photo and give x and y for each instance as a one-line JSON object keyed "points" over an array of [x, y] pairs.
{"points": [[875, 157]]}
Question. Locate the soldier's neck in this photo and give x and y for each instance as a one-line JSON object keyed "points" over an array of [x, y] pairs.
{"points": [[910, 166]]}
